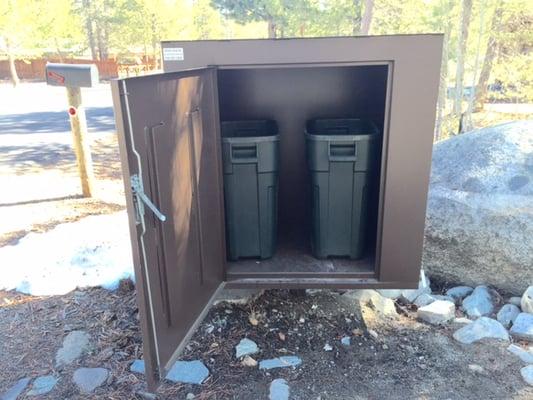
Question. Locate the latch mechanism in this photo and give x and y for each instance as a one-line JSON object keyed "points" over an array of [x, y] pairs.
{"points": [[143, 198]]}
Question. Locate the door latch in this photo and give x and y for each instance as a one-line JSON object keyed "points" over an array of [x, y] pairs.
{"points": [[143, 199]]}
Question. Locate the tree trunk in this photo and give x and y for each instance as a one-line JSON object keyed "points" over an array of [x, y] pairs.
{"points": [[356, 20], [59, 52], [271, 28], [100, 37], [89, 28], [468, 124], [490, 54], [443, 87], [466, 13], [12, 68], [106, 39], [92, 41], [367, 17], [155, 41]]}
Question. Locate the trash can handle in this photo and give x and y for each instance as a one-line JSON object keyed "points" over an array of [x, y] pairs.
{"points": [[243, 153], [342, 151]]}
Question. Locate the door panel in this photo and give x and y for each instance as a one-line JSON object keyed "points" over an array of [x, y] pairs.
{"points": [[169, 137]]}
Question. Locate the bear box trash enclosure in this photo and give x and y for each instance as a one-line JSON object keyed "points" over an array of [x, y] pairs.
{"points": [[169, 129]]}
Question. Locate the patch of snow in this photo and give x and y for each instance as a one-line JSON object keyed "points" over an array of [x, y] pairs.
{"points": [[94, 251]]}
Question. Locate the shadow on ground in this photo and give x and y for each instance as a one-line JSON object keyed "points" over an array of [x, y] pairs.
{"points": [[30, 158], [99, 119]]}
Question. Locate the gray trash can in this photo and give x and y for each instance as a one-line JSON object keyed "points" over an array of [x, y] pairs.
{"points": [[250, 152], [341, 154]]}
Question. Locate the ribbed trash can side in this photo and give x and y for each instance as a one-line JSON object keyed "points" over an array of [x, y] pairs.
{"points": [[341, 156], [250, 157]]}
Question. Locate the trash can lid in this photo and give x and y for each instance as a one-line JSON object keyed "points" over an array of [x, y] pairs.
{"points": [[249, 128], [341, 128]]}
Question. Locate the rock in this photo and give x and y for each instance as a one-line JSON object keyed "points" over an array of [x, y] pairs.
{"points": [[245, 348], [516, 301], [462, 320], [479, 225], [525, 355], [438, 312], [527, 300], [280, 362], [382, 305], [137, 366], [443, 297], [279, 390], [74, 345], [478, 369], [188, 372], [346, 340], [390, 293], [507, 314], [410, 295], [458, 293], [373, 333], [146, 395], [238, 296], [425, 299], [14, 391], [190, 396], [523, 327], [182, 371], [88, 379], [481, 328], [42, 385], [327, 347], [479, 303], [527, 374], [248, 361]]}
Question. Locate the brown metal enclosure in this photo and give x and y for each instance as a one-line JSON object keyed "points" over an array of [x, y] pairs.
{"points": [[291, 96], [169, 131]]}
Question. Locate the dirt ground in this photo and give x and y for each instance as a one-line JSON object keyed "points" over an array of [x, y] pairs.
{"points": [[405, 360]]}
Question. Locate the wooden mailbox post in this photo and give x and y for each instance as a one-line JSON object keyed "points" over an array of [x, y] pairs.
{"points": [[73, 77]]}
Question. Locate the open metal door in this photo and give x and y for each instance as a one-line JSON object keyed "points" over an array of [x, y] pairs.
{"points": [[168, 129]]}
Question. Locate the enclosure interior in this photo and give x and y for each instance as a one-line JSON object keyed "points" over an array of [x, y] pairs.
{"points": [[291, 96]]}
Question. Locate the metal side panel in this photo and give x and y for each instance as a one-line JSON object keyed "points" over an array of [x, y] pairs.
{"points": [[168, 135]]}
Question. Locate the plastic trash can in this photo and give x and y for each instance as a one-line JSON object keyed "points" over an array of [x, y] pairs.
{"points": [[250, 152], [341, 155]]}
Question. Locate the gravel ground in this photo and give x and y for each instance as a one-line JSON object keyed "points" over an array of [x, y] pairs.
{"points": [[387, 359]]}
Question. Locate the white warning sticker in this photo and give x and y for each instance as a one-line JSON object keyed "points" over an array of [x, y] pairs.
{"points": [[173, 54]]}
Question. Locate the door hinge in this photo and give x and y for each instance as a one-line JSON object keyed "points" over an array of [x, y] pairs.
{"points": [[143, 199]]}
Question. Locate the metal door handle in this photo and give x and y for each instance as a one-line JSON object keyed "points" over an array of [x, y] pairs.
{"points": [[139, 192]]}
